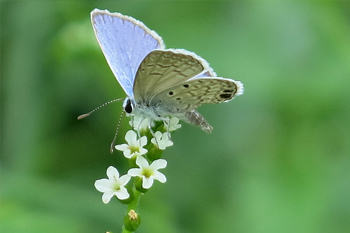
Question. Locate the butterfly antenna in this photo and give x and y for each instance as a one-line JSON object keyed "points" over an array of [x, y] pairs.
{"points": [[89, 113], [116, 132]]}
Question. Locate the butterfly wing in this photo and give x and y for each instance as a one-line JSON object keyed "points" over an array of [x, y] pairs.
{"points": [[125, 42], [183, 99], [164, 69], [181, 81], [197, 91]]}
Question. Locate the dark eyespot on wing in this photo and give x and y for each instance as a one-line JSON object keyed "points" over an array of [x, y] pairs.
{"points": [[228, 91], [226, 96], [198, 92]]}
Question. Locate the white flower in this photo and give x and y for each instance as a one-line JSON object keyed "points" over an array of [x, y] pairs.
{"points": [[134, 146], [113, 186], [172, 124], [149, 173], [140, 123], [162, 140]]}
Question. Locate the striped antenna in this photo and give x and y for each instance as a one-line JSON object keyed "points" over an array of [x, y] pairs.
{"points": [[116, 132], [89, 113]]}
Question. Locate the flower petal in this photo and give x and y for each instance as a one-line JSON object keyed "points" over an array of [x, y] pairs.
{"points": [[158, 135], [142, 151], [122, 194], [169, 143], [143, 141], [122, 147], [135, 172], [131, 137], [159, 176], [103, 185], [127, 154], [142, 162], [112, 173], [106, 197], [147, 182], [123, 180], [158, 164], [153, 140], [173, 124]]}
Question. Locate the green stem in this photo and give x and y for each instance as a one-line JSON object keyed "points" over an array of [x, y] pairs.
{"points": [[132, 205]]}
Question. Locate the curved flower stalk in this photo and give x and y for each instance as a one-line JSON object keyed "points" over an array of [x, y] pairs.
{"points": [[144, 150]]}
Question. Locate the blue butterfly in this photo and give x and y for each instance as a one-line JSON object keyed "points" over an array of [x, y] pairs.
{"points": [[160, 83]]}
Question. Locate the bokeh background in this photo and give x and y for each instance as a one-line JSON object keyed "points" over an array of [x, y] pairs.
{"points": [[277, 160]]}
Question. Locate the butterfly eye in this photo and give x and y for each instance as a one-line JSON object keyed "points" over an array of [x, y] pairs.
{"points": [[128, 106]]}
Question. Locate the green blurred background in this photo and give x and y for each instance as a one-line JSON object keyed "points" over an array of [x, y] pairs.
{"points": [[277, 160]]}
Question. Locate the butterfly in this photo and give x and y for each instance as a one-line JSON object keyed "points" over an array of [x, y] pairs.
{"points": [[160, 83]]}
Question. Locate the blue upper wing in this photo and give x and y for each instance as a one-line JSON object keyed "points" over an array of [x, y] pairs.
{"points": [[125, 42]]}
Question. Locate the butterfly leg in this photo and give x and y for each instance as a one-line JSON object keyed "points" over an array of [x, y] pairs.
{"points": [[139, 126], [152, 132], [168, 131], [132, 121]]}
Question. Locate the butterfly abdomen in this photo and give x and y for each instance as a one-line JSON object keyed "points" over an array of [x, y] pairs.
{"points": [[195, 118]]}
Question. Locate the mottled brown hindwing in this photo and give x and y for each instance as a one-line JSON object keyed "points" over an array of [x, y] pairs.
{"points": [[163, 69], [192, 94]]}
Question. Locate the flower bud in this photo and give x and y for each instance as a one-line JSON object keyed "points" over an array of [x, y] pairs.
{"points": [[132, 221]]}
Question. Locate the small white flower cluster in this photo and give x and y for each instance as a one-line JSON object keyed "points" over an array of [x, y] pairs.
{"points": [[141, 124], [162, 140], [113, 186], [134, 149]]}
